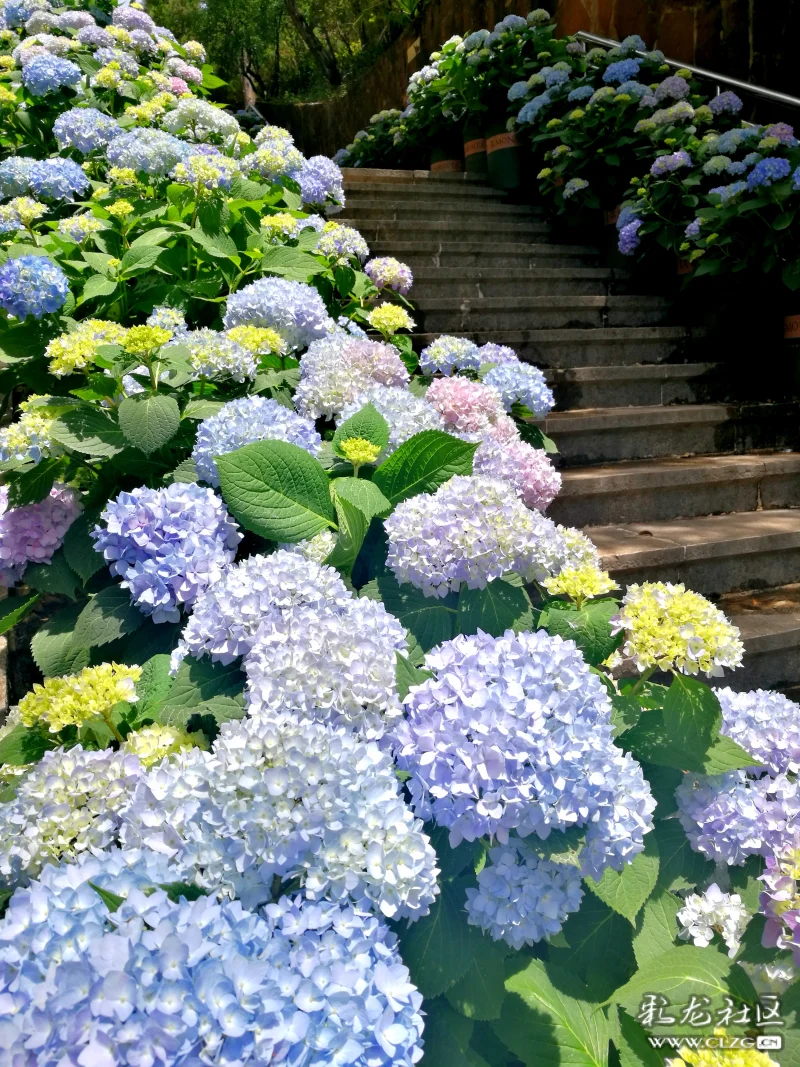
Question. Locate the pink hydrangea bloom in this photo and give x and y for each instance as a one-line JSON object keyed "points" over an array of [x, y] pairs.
{"points": [[529, 470], [31, 534], [179, 86], [469, 407]]}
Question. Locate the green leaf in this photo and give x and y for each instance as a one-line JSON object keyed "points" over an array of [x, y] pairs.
{"points": [[90, 431], [678, 973], [423, 463], [693, 714], [627, 890], [277, 490], [177, 891], [447, 1036], [790, 1013], [79, 547], [107, 616], [630, 1040], [599, 947], [54, 650], [368, 423], [54, 577], [148, 422], [111, 900], [438, 949], [407, 675], [563, 846], [481, 992], [625, 713], [199, 681], [680, 866], [217, 710], [364, 495], [651, 741], [220, 245], [33, 485], [726, 755], [14, 608], [23, 745], [138, 259], [290, 263], [494, 609], [428, 620], [745, 881], [154, 686], [184, 472], [588, 627], [97, 285], [202, 409], [656, 926], [545, 1020], [783, 221]]}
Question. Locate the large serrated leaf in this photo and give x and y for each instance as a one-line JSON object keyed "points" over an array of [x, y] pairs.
{"points": [[13, 609], [290, 263], [277, 490], [692, 713], [652, 741], [598, 949], [53, 646], [200, 680], [148, 422], [428, 620], [423, 463], [678, 973], [627, 890], [407, 675], [353, 526], [34, 485], [439, 948], [79, 547], [544, 1024], [481, 992], [680, 867], [497, 607], [24, 744], [368, 423], [56, 576], [154, 686], [588, 627], [106, 617], [89, 431], [656, 926]]}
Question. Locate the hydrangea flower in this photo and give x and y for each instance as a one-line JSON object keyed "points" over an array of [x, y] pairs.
{"points": [[517, 91], [725, 102], [48, 73], [472, 530], [15, 175], [693, 229], [580, 583], [783, 132], [32, 285], [58, 179], [28, 439], [388, 319], [33, 532], [79, 228], [767, 171], [153, 743], [197, 980], [84, 128], [514, 733], [170, 319], [94, 37], [669, 163], [240, 422], [197, 120], [622, 71], [629, 239], [405, 413], [337, 371], [133, 18], [206, 172], [729, 192], [717, 165], [151, 151], [316, 548], [167, 545], [471, 408], [766, 725], [521, 383], [122, 61], [213, 355], [673, 88], [261, 589], [494, 353], [704, 914], [276, 160], [342, 243], [528, 470], [67, 804], [780, 898], [294, 309], [305, 801], [573, 186], [321, 182], [20, 213], [74, 351], [72, 699], [731, 816], [522, 898], [583, 92], [447, 354], [670, 628]]}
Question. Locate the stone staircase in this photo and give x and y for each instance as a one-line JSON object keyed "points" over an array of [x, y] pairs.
{"points": [[671, 476]]}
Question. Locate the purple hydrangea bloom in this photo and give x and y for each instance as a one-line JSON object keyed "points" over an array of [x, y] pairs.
{"points": [[75, 20], [693, 229], [152, 151], [127, 63], [386, 272], [47, 73], [629, 239], [528, 470], [294, 309], [58, 179], [167, 545], [514, 733], [622, 71], [131, 18], [783, 131], [32, 285], [494, 353], [767, 171], [95, 37], [766, 725], [85, 128], [321, 181], [521, 383], [253, 418], [554, 78], [672, 88], [634, 89], [32, 533], [15, 175], [725, 102], [632, 43], [672, 162]]}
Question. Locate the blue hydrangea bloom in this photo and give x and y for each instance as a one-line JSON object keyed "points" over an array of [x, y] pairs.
{"points": [[521, 383], [728, 192], [737, 167], [32, 285], [767, 726], [518, 91], [751, 159], [796, 179], [167, 545], [529, 111], [514, 733], [95, 37], [253, 418], [151, 151], [58, 179], [555, 78], [729, 141], [85, 128], [16, 13], [583, 92], [294, 309], [673, 88], [670, 163], [767, 171], [321, 181], [46, 73], [726, 101], [622, 71], [634, 89], [693, 229], [15, 174], [629, 239], [447, 354], [627, 214], [494, 353], [127, 62]]}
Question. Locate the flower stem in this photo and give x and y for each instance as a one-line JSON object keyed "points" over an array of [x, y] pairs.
{"points": [[117, 735], [637, 685]]}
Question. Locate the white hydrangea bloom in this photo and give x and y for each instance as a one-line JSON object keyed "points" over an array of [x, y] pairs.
{"points": [[316, 548], [714, 911], [405, 413]]}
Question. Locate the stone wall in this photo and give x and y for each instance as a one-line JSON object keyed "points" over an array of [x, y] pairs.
{"points": [[746, 39]]}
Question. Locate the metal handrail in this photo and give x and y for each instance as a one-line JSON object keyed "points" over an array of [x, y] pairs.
{"points": [[715, 76]]}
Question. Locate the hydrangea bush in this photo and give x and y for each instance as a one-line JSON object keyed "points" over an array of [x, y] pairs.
{"points": [[343, 751]]}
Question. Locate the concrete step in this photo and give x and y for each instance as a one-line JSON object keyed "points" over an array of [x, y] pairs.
{"points": [[385, 207], [422, 252], [417, 183], [455, 315], [433, 284], [663, 489], [712, 554], [604, 435], [636, 385], [770, 627], [387, 231], [589, 348]]}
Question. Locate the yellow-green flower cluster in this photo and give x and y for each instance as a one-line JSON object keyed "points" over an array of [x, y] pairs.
{"points": [[74, 351], [71, 700], [140, 340], [120, 209], [580, 583], [6, 96], [258, 339], [280, 225], [727, 1057], [108, 77], [670, 628], [389, 318], [7, 63], [152, 109], [155, 742], [359, 450]]}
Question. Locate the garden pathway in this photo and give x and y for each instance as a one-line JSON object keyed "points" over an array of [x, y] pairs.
{"points": [[669, 483]]}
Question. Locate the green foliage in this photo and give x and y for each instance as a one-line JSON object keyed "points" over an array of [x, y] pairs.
{"points": [[422, 464]]}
